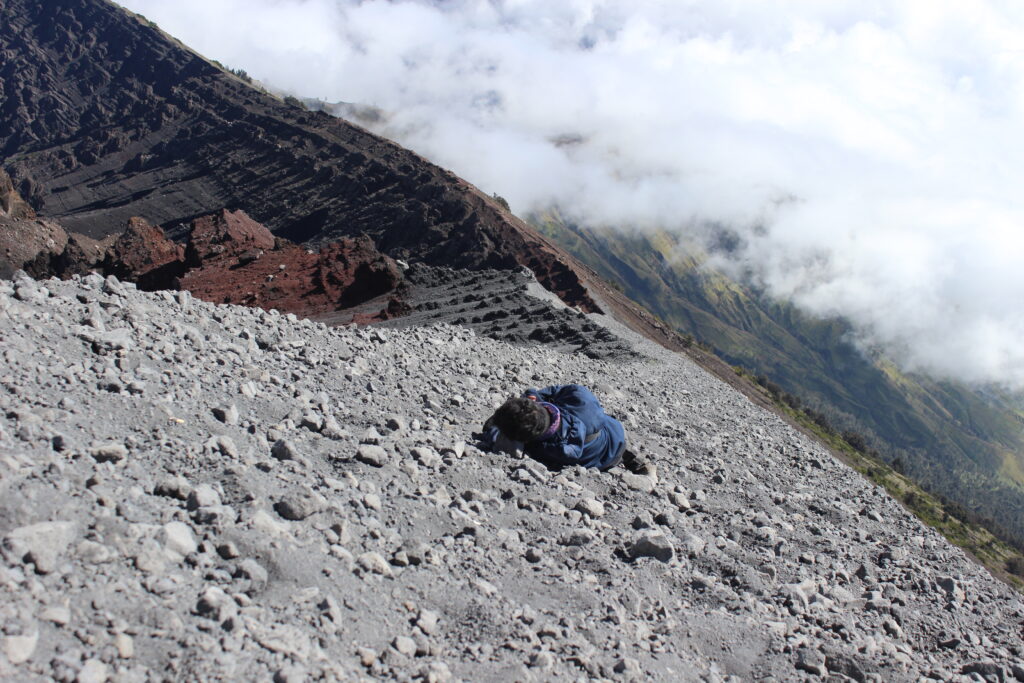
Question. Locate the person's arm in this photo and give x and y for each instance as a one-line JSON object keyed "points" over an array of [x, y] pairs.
{"points": [[545, 394], [558, 454], [489, 436]]}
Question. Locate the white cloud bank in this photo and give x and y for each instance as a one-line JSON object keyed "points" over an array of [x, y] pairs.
{"points": [[871, 154]]}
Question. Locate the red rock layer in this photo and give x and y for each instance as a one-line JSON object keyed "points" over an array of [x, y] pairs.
{"points": [[231, 258], [144, 255]]}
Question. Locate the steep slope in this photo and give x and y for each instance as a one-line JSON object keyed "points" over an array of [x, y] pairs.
{"points": [[965, 444], [204, 492], [103, 118]]}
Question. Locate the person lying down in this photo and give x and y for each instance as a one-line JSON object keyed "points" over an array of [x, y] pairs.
{"points": [[563, 425]]}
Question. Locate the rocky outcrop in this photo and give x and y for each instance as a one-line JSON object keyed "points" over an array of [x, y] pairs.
{"points": [[226, 237], [24, 242], [12, 206], [24, 239], [228, 258], [144, 255], [231, 258]]}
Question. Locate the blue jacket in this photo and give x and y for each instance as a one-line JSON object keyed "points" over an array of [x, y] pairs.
{"points": [[587, 435]]}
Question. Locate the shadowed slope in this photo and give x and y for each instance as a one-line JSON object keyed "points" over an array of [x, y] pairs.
{"points": [[105, 118]]}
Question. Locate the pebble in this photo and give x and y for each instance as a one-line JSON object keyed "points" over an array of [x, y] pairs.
{"points": [[20, 649], [427, 621], [652, 544], [227, 414], [298, 506], [693, 544], [93, 671], [59, 615], [125, 645], [374, 563], [579, 537], [178, 538], [203, 496], [283, 449], [228, 550], [629, 668], [111, 451], [173, 487], [591, 507], [542, 660], [811, 661], [372, 455], [404, 645], [42, 544], [638, 482]]}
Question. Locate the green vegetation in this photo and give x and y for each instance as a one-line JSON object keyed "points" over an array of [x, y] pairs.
{"points": [[501, 200], [147, 22], [241, 73]]}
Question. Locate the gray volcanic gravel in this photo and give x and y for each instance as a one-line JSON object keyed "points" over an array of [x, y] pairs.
{"points": [[200, 492]]}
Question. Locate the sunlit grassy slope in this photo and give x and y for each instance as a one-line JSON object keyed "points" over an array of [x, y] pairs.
{"points": [[962, 443]]}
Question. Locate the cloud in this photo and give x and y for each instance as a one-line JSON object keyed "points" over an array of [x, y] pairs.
{"points": [[868, 154]]}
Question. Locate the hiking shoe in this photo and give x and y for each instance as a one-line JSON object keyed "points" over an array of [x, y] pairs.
{"points": [[638, 464]]}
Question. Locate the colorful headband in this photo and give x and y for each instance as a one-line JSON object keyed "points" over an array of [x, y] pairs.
{"points": [[556, 421]]}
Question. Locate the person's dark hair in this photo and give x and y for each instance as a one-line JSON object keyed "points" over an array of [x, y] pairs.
{"points": [[521, 419]]}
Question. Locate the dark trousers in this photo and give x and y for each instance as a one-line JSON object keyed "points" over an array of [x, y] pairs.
{"points": [[617, 460]]}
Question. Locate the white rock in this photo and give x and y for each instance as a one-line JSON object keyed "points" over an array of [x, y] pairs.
{"points": [[591, 507], [125, 645], [374, 563], [42, 544], [111, 451], [93, 671], [19, 649], [427, 621], [266, 523], [178, 538], [58, 614]]}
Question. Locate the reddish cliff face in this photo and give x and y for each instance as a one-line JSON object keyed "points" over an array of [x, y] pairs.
{"points": [[25, 241], [142, 254], [229, 258], [233, 259], [12, 206]]}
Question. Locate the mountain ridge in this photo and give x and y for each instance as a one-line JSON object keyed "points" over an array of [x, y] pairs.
{"points": [[183, 138]]}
